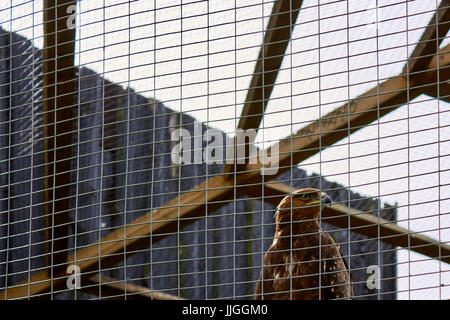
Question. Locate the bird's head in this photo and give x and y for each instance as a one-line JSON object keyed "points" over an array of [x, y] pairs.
{"points": [[303, 204]]}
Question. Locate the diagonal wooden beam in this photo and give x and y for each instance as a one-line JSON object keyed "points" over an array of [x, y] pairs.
{"points": [[442, 92], [356, 114], [364, 223], [195, 203], [430, 41], [59, 87], [115, 289], [152, 226], [277, 37]]}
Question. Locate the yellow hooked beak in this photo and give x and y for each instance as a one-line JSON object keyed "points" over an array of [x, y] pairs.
{"points": [[324, 200]]}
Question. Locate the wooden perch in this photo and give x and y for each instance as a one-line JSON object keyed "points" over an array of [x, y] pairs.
{"points": [[115, 289], [366, 224]]}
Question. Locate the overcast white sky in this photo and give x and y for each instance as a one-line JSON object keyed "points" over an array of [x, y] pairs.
{"points": [[206, 69]]}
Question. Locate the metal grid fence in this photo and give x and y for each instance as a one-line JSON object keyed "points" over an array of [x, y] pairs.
{"points": [[120, 124]]}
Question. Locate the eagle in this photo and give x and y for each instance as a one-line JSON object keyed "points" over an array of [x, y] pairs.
{"points": [[293, 268]]}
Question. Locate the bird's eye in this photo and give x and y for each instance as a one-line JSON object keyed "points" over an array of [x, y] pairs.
{"points": [[305, 196]]}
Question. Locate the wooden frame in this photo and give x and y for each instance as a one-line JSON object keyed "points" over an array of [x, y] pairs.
{"points": [[334, 126], [441, 92], [430, 41], [59, 88]]}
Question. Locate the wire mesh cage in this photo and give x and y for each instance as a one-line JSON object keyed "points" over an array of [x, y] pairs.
{"points": [[173, 149]]}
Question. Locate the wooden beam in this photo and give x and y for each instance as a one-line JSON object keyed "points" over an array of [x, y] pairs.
{"points": [[59, 87], [430, 41], [356, 114], [364, 223], [442, 92], [428, 47], [115, 289], [277, 37]]}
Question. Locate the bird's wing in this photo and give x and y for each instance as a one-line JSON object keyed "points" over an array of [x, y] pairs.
{"points": [[258, 289], [349, 274], [264, 287], [336, 278]]}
